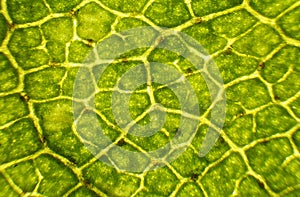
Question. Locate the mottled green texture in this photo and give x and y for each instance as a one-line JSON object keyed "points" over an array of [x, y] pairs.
{"points": [[255, 44]]}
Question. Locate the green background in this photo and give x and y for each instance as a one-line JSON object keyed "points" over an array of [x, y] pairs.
{"points": [[255, 44]]}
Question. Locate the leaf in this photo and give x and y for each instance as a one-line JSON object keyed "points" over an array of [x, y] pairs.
{"points": [[48, 150]]}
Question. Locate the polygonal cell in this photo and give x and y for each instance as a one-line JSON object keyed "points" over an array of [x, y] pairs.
{"points": [[44, 84], [57, 51], [25, 11], [233, 24], [94, 22], [290, 23], [67, 86], [191, 159], [57, 178], [78, 52], [271, 8], [220, 147], [12, 107], [251, 93], [226, 173], [206, 37], [6, 189], [232, 66], [252, 187], [191, 189], [83, 191], [273, 119], [23, 45], [108, 180], [269, 160], [56, 119], [259, 42], [168, 13], [288, 87], [128, 23], [58, 29], [125, 5], [279, 64], [240, 130], [8, 75], [3, 28], [161, 182], [62, 5], [205, 7], [19, 140], [29, 179]]}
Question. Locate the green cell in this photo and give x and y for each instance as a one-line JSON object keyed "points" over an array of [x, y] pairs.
{"points": [[217, 150], [273, 119], [191, 189], [271, 8], [240, 130], [18, 141], [94, 22], [206, 37], [56, 119], [3, 28], [57, 51], [230, 26], [58, 29], [67, 86], [290, 23], [62, 5], [83, 191], [23, 45], [259, 42], [129, 23], [251, 93], [54, 174], [232, 66], [161, 182], [26, 11], [6, 189], [44, 84], [138, 104], [78, 52], [168, 13], [280, 63], [205, 7], [225, 173], [12, 108], [189, 158], [268, 160], [8, 75], [257, 187], [110, 181], [125, 5], [29, 179]]}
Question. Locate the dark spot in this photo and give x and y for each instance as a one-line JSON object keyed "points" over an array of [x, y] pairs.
{"points": [[194, 176], [73, 12], [197, 20], [160, 39], [54, 64], [24, 97], [71, 159], [86, 182], [124, 59], [42, 139], [276, 97], [261, 66], [228, 51], [189, 70], [260, 184], [90, 42], [11, 26], [121, 142], [15, 165]]}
